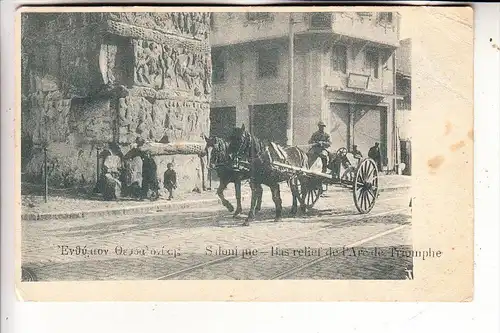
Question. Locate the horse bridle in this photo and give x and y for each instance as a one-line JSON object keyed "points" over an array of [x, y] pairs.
{"points": [[242, 147]]}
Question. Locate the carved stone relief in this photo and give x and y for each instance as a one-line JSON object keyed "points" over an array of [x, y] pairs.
{"points": [[148, 64], [162, 59], [193, 25], [162, 121], [167, 67]]}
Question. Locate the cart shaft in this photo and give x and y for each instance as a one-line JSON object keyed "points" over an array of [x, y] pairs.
{"points": [[305, 171]]}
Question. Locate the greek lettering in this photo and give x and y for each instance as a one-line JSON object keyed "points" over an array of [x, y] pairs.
{"points": [[83, 251], [64, 250]]}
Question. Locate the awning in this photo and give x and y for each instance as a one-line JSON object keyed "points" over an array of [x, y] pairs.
{"points": [[405, 75], [362, 92]]}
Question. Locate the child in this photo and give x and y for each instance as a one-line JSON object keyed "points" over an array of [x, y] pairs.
{"points": [[170, 180]]}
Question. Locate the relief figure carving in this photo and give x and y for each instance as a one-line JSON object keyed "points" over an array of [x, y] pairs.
{"points": [[148, 66], [168, 65], [189, 24]]}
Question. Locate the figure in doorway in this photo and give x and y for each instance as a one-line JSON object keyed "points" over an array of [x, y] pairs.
{"points": [[170, 180], [374, 154], [320, 141], [149, 177]]}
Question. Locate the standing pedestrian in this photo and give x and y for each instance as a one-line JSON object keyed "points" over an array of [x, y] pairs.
{"points": [[149, 177], [170, 180], [374, 154]]}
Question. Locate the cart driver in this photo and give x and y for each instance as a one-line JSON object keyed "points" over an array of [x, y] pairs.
{"points": [[320, 141]]}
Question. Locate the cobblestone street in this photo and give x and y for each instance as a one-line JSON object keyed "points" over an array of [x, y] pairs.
{"points": [[332, 241]]}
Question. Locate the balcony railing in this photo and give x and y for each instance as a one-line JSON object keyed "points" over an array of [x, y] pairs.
{"points": [[321, 21], [378, 26]]}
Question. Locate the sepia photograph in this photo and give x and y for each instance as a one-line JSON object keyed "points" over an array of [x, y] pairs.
{"points": [[220, 145]]}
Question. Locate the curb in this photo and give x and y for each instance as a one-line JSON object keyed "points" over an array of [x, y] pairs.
{"points": [[395, 188], [154, 206], [384, 189], [120, 210]]}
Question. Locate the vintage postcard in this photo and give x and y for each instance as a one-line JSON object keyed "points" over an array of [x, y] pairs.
{"points": [[245, 153]]}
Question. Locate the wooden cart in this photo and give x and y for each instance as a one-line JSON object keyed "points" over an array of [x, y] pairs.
{"points": [[361, 179]]}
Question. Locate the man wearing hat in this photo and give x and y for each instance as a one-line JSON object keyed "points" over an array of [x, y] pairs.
{"points": [[320, 141], [356, 153]]}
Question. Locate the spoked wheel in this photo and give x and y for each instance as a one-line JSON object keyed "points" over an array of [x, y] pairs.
{"points": [[312, 195], [27, 275], [365, 186]]}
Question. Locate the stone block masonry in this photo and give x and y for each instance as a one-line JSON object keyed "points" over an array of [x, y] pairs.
{"points": [[95, 80]]}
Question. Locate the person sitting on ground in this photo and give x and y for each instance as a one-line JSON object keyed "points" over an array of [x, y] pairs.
{"points": [[170, 180]]}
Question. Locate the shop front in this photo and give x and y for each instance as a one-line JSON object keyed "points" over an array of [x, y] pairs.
{"points": [[361, 119]]}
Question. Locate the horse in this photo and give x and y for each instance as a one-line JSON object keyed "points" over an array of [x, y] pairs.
{"points": [[245, 148], [219, 160]]}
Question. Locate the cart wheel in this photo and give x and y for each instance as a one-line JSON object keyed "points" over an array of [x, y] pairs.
{"points": [[27, 275], [311, 195], [365, 188]]}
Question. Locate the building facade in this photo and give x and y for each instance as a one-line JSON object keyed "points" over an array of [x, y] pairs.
{"points": [[94, 79], [343, 70], [403, 85], [403, 107]]}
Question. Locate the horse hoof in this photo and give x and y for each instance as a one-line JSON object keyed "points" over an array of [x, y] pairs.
{"points": [[277, 219], [246, 224], [237, 212], [230, 208]]}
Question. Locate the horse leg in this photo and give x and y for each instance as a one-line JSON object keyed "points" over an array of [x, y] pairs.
{"points": [[294, 190], [253, 202], [293, 211], [220, 192], [301, 196], [259, 199], [275, 191], [237, 190]]}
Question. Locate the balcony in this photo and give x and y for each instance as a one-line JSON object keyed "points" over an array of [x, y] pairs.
{"points": [[233, 28], [377, 27], [320, 21]]}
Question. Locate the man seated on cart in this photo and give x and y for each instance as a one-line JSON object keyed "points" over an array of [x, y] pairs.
{"points": [[320, 141]]}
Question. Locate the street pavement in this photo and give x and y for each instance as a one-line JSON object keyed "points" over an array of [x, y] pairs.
{"points": [[332, 241]]}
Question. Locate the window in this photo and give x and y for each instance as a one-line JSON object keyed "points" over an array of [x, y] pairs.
{"points": [[367, 15], [339, 58], [372, 63], [268, 62], [387, 60], [321, 20], [385, 17], [218, 66], [212, 21], [258, 16]]}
